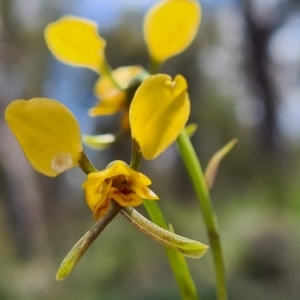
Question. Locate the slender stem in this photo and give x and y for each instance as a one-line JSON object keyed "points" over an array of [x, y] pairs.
{"points": [[85, 164], [106, 71], [85, 242], [177, 261], [154, 66], [136, 156], [193, 166]]}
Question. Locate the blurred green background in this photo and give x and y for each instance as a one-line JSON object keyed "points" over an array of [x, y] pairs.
{"points": [[243, 71]]}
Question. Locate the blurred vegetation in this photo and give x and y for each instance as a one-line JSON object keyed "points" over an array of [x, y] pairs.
{"points": [[237, 89]]}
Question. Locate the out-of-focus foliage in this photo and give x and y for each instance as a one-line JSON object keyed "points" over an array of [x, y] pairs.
{"points": [[243, 74]]}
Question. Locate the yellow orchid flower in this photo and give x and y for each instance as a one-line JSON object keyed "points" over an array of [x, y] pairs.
{"points": [[48, 133], [158, 113], [118, 182], [76, 41], [112, 98], [170, 26]]}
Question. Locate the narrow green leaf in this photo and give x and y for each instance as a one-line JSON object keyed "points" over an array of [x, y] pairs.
{"points": [[212, 168], [75, 254]]}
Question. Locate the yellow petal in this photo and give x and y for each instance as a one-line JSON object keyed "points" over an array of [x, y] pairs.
{"points": [[97, 193], [116, 168], [48, 133], [119, 167], [145, 193], [101, 209], [109, 106], [170, 27], [143, 178], [113, 99], [158, 113], [76, 41], [138, 183], [130, 199]]}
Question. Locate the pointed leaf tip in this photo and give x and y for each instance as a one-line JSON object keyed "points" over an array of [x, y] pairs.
{"points": [[213, 165]]}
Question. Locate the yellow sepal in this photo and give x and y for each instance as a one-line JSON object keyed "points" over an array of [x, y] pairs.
{"points": [[170, 27], [158, 113], [48, 133], [76, 41]]}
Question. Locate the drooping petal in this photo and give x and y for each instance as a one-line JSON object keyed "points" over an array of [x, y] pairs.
{"points": [[170, 27], [112, 98], [48, 133], [97, 191], [76, 41], [158, 113]]}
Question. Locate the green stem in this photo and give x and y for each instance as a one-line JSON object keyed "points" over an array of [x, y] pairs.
{"points": [[177, 261], [75, 254], [154, 66], [86, 241], [85, 164], [136, 156], [193, 166], [106, 71]]}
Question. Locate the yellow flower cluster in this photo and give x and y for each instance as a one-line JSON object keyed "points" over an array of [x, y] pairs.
{"points": [[49, 134]]}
